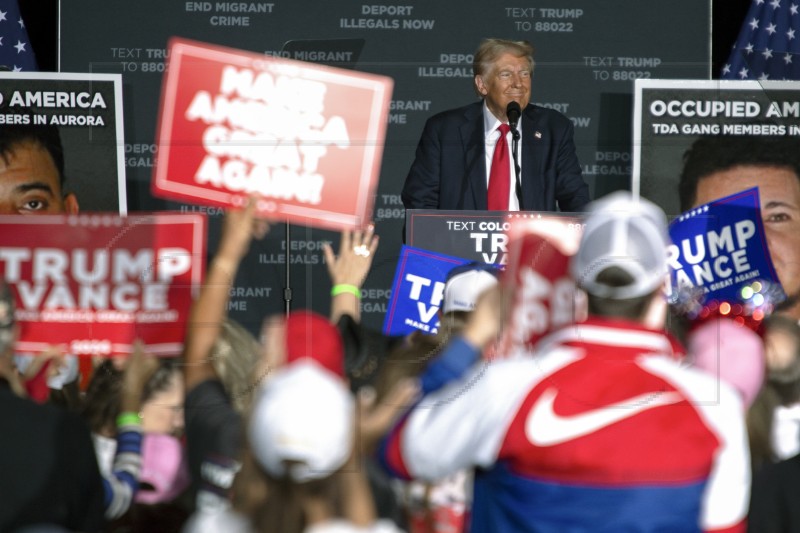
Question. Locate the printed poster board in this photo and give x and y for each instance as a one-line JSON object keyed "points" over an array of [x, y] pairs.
{"points": [[669, 115], [306, 138], [540, 293], [418, 291], [93, 283], [85, 113]]}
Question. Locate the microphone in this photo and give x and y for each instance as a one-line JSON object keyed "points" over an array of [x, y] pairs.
{"points": [[513, 113]]}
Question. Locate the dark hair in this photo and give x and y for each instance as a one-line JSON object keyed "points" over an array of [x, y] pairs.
{"points": [[718, 153], [103, 399], [630, 308], [161, 379], [786, 380], [759, 418], [44, 135], [410, 359], [781, 387], [68, 396], [101, 405]]}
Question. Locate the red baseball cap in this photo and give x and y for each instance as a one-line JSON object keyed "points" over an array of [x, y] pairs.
{"points": [[312, 336]]}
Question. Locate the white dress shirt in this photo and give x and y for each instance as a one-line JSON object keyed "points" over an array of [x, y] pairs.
{"points": [[490, 125]]}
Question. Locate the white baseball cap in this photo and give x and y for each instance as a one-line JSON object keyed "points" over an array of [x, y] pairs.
{"points": [[302, 423], [465, 284], [622, 232]]}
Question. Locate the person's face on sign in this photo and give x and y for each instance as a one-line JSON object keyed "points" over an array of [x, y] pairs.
{"points": [[779, 191], [30, 183], [509, 79]]}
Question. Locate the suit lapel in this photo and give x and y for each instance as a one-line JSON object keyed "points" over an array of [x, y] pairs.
{"points": [[532, 147], [472, 137]]}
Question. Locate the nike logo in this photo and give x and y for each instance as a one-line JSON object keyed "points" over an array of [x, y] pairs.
{"points": [[544, 427]]}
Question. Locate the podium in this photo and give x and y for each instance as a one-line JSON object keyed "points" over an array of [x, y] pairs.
{"points": [[533, 248]]}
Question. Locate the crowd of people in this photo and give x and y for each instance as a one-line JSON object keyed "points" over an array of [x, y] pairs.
{"points": [[616, 422], [608, 424], [299, 431]]}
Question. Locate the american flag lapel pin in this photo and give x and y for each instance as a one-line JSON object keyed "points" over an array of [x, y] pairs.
{"points": [[538, 134]]}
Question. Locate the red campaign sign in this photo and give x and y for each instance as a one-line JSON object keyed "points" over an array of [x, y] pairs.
{"points": [[541, 291], [93, 283], [308, 139]]}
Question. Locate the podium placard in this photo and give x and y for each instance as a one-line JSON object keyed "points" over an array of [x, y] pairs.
{"points": [[473, 235]]}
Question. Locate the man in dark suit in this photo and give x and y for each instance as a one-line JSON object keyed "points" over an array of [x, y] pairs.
{"points": [[453, 160]]}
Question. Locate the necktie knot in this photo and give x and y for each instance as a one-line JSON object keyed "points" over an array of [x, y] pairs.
{"points": [[504, 129]]}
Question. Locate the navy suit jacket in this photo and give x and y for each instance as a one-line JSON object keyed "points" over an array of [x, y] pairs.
{"points": [[449, 171]]}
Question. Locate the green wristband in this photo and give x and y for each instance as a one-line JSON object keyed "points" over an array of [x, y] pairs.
{"points": [[129, 419], [345, 288]]}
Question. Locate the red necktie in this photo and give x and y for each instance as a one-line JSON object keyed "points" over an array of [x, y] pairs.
{"points": [[500, 174]]}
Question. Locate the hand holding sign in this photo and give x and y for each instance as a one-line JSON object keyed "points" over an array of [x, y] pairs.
{"points": [[239, 227], [139, 368]]}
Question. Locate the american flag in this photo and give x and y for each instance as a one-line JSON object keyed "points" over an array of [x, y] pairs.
{"points": [[16, 53], [768, 47]]}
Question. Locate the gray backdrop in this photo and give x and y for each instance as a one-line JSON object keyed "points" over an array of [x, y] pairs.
{"points": [[588, 53]]}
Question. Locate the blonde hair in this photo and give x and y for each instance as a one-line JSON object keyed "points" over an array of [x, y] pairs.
{"points": [[491, 49], [234, 357]]}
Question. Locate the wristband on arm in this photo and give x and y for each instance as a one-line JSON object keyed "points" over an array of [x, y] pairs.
{"points": [[343, 288]]}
